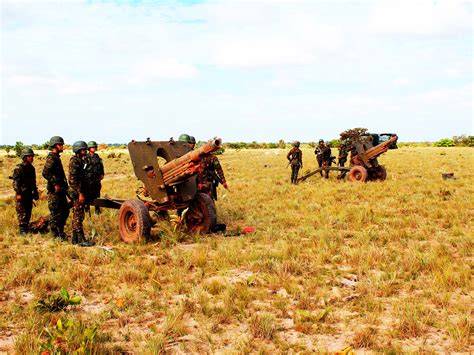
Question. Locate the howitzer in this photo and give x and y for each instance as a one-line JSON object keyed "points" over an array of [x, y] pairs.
{"points": [[171, 186], [366, 155]]}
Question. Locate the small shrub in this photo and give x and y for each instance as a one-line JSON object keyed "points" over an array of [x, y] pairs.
{"points": [[263, 326]]}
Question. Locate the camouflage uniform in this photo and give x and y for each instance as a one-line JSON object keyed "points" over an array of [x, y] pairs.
{"points": [[53, 172], [94, 174], [343, 153], [77, 181], [327, 159], [319, 155], [295, 157], [24, 184], [210, 176]]}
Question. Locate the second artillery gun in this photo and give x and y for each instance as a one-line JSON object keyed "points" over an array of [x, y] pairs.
{"points": [[364, 165], [171, 186]]}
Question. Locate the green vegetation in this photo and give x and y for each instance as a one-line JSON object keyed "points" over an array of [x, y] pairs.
{"points": [[383, 267]]}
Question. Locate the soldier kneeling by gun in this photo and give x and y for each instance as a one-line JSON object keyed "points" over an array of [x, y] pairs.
{"points": [[210, 176], [24, 184]]}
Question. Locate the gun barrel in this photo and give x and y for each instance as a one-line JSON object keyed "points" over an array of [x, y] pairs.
{"points": [[176, 169], [380, 149]]}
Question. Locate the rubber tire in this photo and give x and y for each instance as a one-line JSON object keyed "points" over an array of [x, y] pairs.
{"points": [[201, 216], [134, 221], [358, 174], [380, 173]]}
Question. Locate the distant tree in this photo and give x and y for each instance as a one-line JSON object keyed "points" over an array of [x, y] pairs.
{"points": [[464, 141], [7, 149], [45, 145], [281, 144], [445, 142], [18, 147], [335, 143]]}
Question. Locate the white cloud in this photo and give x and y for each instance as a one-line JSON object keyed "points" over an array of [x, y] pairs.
{"points": [[150, 71], [420, 17], [402, 82]]}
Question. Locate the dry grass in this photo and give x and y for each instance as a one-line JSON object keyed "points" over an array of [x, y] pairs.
{"points": [[384, 266]]}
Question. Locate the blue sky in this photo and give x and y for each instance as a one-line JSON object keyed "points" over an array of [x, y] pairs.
{"points": [[113, 71]]}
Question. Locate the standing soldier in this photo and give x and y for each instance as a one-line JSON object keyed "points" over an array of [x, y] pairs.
{"points": [[343, 153], [57, 188], [77, 180], [327, 158], [24, 184], [95, 174], [210, 176], [319, 154], [295, 158]]}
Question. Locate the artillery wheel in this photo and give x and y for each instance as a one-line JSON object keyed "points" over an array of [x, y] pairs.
{"points": [[380, 173], [201, 216], [134, 221], [358, 173]]}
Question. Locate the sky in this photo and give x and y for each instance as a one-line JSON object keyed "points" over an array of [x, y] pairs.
{"points": [[254, 70]]}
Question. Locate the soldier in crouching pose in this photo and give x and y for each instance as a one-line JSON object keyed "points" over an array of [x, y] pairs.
{"points": [[295, 158], [210, 176], [24, 184]]}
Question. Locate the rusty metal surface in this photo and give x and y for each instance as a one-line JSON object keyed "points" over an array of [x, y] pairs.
{"points": [[175, 181]]}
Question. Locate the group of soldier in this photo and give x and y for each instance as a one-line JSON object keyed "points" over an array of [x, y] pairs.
{"points": [[323, 154], [82, 186]]}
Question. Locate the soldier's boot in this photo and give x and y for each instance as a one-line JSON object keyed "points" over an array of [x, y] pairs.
{"points": [[79, 239], [61, 234], [23, 229]]}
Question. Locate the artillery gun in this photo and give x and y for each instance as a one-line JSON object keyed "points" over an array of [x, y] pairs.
{"points": [[364, 165], [171, 186]]}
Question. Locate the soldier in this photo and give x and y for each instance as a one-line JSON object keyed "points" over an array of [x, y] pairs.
{"points": [[319, 154], [24, 184], [327, 158], [192, 142], [343, 153], [77, 179], [95, 174], [57, 188], [295, 158], [187, 139], [210, 176]]}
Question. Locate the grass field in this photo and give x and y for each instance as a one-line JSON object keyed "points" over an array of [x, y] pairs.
{"points": [[382, 266]]}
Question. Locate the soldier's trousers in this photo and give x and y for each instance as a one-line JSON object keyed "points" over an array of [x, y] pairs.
{"points": [[58, 209], [294, 173], [326, 164], [23, 212], [342, 161], [319, 159], [78, 215]]}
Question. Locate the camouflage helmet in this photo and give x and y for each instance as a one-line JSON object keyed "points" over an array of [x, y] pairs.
{"points": [[296, 143], [26, 152], [92, 144], [184, 138], [78, 146], [192, 140], [55, 140], [321, 141]]}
